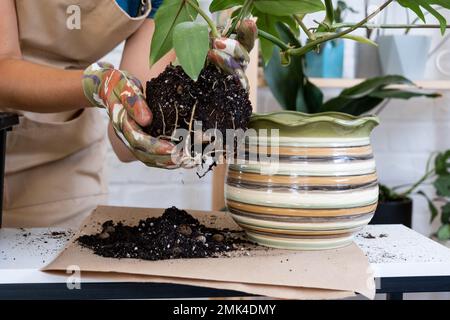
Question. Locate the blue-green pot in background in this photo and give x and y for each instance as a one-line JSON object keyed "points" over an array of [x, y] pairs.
{"points": [[328, 63], [321, 191]]}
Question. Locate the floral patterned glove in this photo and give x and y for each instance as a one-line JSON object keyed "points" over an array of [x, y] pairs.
{"points": [[231, 55], [121, 95]]}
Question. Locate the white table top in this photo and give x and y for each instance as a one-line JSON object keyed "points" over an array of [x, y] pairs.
{"points": [[392, 250]]}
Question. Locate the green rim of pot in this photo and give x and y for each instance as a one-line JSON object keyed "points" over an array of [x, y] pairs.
{"points": [[325, 124]]}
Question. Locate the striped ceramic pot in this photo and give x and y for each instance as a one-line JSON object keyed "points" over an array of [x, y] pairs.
{"points": [[322, 190]]}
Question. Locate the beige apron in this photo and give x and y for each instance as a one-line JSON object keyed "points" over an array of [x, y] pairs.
{"points": [[55, 163]]}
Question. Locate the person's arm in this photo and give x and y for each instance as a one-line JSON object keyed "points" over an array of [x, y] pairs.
{"points": [[29, 86], [135, 60]]}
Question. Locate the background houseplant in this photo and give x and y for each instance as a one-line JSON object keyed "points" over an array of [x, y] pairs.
{"points": [[437, 173], [293, 90]]}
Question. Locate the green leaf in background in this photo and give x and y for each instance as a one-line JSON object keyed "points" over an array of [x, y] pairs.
{"points": [[387, 194], [286, 83], [442, 163], [442, 185], [433, 210], [367, 87], [353, 106], [191, 43], [444, 232], [417, 5], [341, 9], [402, 94], [414, 6], [267, 23], [288, 7], [169, 15], [218, 5], [445, 215], [313, 97], [367, 95]]}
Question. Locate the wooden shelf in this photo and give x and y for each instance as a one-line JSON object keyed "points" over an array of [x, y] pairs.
{"points": [[340, 83]]}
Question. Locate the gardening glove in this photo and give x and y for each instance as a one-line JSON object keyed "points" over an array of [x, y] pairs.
{"points": [[231, 55], [121, 95]]}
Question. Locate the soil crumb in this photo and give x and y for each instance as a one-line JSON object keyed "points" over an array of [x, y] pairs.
{"points": [[57, 234], [368, 235], [174, 235]]}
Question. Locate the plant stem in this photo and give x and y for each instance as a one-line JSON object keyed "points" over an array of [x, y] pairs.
{"points": [[390, 26], [418, 183], [308, 33], [273, 39], [215, 33], [329, 18], [312, 44], [244, 11]]}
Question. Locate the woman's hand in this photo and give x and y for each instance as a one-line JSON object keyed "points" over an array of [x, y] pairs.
{"points": [[121, 95], [231, 55]]}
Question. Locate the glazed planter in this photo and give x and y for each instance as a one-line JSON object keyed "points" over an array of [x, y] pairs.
{"points": [[394, 212], [322, 190]]}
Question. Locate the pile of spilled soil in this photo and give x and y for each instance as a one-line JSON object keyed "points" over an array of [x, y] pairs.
{"points": [[176, 234], [216, 99]]}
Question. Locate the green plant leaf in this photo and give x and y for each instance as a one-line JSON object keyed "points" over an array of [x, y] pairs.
{"points": [[288, 7], [191, 43], [445, 213], [367, 87], [433, 210], [442, 163], [438, 16], [369, 94], [402, 94], [417, 5], [442, 185], [169, 15], [341, 9], [219, 5], [360, 39], [414, 6], [313, 96], [267, 22], [387, 194], [444, 232], [286, 83], [351, 106]]}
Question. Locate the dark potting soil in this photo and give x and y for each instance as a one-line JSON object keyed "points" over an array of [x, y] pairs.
{"points": [[216, 99], [175, 234]]}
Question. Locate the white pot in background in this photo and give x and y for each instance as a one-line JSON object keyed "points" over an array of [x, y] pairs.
{"points": [[404, 55], [367, 61], [438, 66]]}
